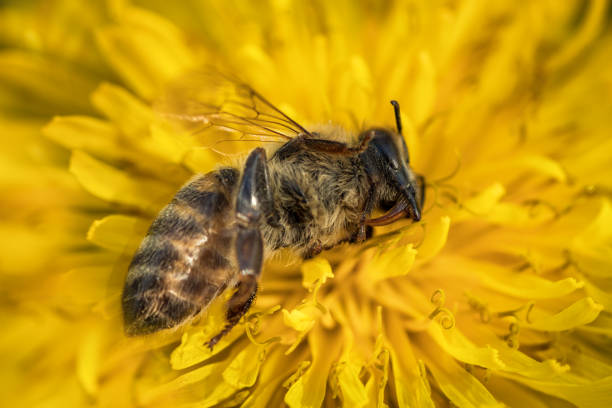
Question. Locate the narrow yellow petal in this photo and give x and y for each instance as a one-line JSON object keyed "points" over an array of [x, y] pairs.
{"points": [[423, 88], [485, 201], [309, 390], [145, 49], [577, 314], [88, 360], [591, 250], [596, 393], [244, 368], [458, 385], [393, 262], [435, 238], [457, 345], [126, 111], [519, 285], [353, 391], [110, 184], [84, 133], [113, 231]]}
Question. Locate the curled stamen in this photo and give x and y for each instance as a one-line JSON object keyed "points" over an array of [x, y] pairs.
{"points": [[533, 205], [512, 337], [514, 312], [438, 298], [479, 306], [253, 323], [528, 312], [250, 335], [529, 263], [445, 316]]}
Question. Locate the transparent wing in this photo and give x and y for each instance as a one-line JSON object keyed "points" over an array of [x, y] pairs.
{"points": [[225, 114]]}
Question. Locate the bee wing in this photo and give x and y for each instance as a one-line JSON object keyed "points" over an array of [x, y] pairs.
{"points": [[220, 111]]}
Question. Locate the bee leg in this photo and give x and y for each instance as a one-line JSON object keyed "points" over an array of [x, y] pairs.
{"points": [[361, 233], [313, 251], [253, 202], [238, 305], [420, 180]]}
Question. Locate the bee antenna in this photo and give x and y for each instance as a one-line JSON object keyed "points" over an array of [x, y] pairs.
{"points": [[398, 120]]}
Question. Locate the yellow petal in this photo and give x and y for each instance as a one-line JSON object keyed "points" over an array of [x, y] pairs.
{"points": [[423, 88], [113, 185], [485, 201], [353, 391], [577, 314], [315, 271], [39, 84], [84, 133], [516, 361], [193, 348], [457, 384], [309, 390], [409, 375], [299, 320], [502, 280], [435, 238], [457, 345], [592, 249], [244, 368], [126, 111], [145, 49], [113, 232], [88, 360], [390, 263], [596, 393]]}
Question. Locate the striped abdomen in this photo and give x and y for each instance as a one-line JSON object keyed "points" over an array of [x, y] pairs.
{"points": [[185, 259]]}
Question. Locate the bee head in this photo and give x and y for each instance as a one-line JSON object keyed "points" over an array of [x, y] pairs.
{"points": [[388, 164]]}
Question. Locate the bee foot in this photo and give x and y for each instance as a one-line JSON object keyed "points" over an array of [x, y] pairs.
{"points": [[313, 251]]}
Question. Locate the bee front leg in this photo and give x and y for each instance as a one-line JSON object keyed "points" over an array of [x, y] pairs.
{"points": [[254, 201], [361, 233]]}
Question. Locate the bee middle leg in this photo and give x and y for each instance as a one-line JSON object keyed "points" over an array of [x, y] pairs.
{"points": [[253, 202]]}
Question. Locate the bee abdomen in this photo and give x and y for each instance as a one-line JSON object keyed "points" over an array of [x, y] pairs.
{"points": [[151, 307], [184, 261]]}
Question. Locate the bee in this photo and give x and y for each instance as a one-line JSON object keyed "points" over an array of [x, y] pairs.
{"points": [[313, 191]]}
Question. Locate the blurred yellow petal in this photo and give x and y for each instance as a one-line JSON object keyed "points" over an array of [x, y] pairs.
{"points": [[109, 232], [113, 185]]}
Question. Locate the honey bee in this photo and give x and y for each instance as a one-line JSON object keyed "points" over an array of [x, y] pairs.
{"points": [[312, 192]]}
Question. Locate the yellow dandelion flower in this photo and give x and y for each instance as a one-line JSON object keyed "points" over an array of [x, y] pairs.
{"points": [[501, 295]]}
